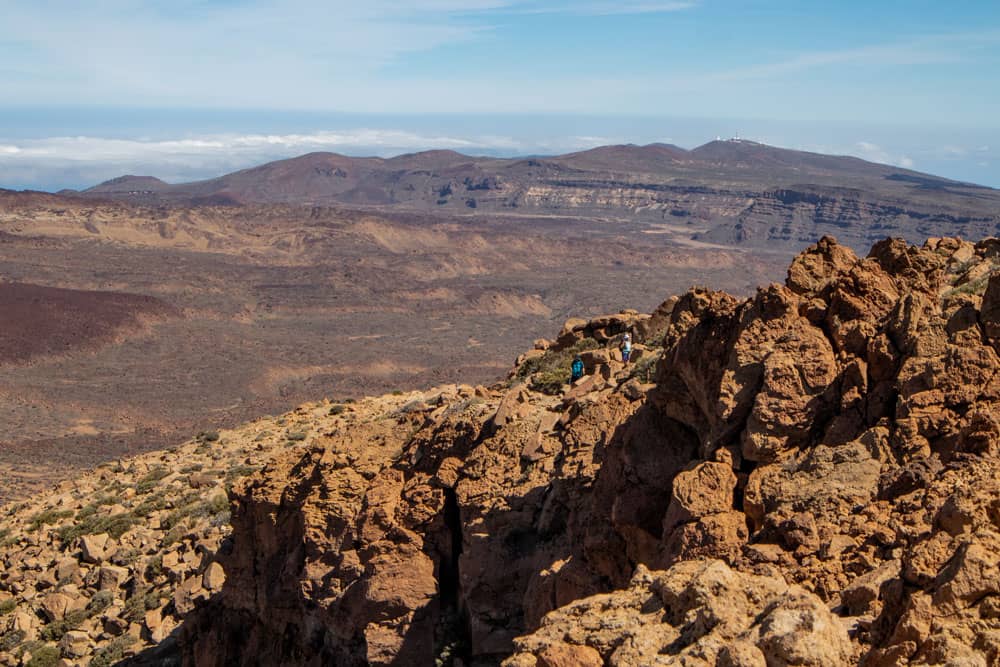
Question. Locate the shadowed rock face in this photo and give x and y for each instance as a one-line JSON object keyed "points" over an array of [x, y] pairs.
{"points": [[828, 444]]}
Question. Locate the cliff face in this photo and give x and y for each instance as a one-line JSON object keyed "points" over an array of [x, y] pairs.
{"points": [[805, 477], [731, 192]]}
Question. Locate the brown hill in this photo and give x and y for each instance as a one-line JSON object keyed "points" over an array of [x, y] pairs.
{"points": [[731, 192], [130, 185], [43, 321]]}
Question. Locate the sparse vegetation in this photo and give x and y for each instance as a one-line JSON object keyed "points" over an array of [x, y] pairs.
{"points": [[101, 601], [645, 369], [7, 606], [11, 640], [201, 508], [337, 409], [143, 599], [115, 525], [113, 653], [239, 471], [44, 656], [208, 436], [154, 567], [55, 630], [150, 480], [550, 371], [296, 436], [977, 286], [48, 517], [148, 506]]}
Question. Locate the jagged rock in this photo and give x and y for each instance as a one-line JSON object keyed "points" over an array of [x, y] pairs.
{"points": [[111, 577], [56, 605], [214, 577], [188, 594], [815, 429], [75, 644], [95, 548], [67, 569], [832, 440], [567, 655], [114, 625], [697, 613]]}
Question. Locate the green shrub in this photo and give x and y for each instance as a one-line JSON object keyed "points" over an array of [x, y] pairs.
{"points": [[151, 600], [101, 601], [337, 409], [977, 286], [154, 567], [7, 606], [55, 630], [44, 656], [550, 371], [112, 654], [239, 471], [645, 368], [135, 608], [48, 517], [195, 507], [296, 436], [174, 535], [115, 526], [6, 538], [11, 640], [148, 483], [209, 436], [148, 506]]}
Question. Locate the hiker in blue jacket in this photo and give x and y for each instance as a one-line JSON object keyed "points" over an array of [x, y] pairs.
{"points": [[576, 369]]}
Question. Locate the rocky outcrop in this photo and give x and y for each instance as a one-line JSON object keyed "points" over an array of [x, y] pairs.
{"points": [[696, 613], [804, 477], [108, 566], [824, 452]]}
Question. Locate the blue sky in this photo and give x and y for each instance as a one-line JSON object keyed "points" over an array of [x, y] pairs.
{"points": [[191, 88]]}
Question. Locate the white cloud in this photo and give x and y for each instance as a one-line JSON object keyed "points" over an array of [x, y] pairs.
{"points": [[101, 149], [82, 161], [875, 153]]}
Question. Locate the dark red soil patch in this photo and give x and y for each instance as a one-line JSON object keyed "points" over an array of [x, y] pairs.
{"points": [[39, 321]]}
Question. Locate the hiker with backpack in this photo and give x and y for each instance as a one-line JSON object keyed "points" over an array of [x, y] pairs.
{"points": [[576, 370], [626, 347]]}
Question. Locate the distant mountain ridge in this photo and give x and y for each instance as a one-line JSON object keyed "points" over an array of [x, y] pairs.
{"points": [[730, 192]]}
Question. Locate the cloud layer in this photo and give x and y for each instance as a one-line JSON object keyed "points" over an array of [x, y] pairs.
{"points": [[81, 161]]}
